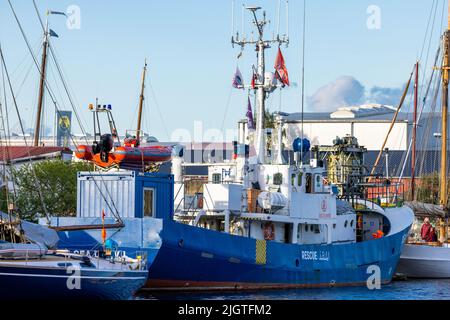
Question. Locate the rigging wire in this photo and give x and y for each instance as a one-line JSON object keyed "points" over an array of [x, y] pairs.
{"points": [[158, 109], [23, 60], [23, 132], [114, 212], [425, 66], [428, 36], [227, 106], [419, 117], [50, 92], [427, 135], [18, 91], [303, 78], [7, 132]]}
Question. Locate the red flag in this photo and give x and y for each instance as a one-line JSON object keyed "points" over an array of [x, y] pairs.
{"points": [[103, 214], [253, 80], [281, 71]]}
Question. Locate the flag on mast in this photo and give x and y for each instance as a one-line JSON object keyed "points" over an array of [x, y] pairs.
{"points": [[49, 12], [53, 34], [103, 227], [254, 77], [238, 81], [253, 84], [281, 72], [250, 122]]}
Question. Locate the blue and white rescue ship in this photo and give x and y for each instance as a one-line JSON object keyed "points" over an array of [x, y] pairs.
{"points": [[263, 224]]}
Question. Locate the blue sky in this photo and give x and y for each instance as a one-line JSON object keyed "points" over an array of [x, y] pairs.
{"points": [[191, 61]]}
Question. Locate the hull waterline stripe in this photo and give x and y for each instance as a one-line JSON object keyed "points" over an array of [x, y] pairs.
{"points": [[71, 276]]}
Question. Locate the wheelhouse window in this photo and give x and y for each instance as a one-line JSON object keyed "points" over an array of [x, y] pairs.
{"points": [[278, 179], [319, 185], [216, 178], [309, 183], [149, 202], [300, 179]]}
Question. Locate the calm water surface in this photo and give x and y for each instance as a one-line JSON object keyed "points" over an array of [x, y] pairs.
{"points": [[400, 290]]}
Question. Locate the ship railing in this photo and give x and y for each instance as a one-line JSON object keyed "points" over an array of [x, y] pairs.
{"points": [[124, 260], [194, 202], [384, 193]]}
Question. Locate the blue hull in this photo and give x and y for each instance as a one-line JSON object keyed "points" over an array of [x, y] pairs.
{"points": [[195, 258], [191, 258], [45, 283]]}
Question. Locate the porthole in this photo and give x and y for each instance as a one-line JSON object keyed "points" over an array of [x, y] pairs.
{"points": [[352, 223], [345, 224], [297, 263]]}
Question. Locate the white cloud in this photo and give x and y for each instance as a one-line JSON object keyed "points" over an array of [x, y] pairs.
{"points": [[348, 91], [343, 91]]}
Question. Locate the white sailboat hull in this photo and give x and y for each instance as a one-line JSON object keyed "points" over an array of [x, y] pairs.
{"points": [[426, 262]]}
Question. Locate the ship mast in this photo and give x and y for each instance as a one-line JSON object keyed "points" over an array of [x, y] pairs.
{"points": [[141, 103], [260, 86], [37, 128], [260, 92], [414, 139], [445, 83]]}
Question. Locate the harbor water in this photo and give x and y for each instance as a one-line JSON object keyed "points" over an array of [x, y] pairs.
{"points": [[397, 290]]}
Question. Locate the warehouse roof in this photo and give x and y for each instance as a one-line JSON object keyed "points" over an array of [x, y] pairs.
{"points": [[362, 113], [22, 153]]}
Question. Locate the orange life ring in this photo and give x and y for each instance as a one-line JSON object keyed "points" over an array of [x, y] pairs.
{"points": [[269, 231]]}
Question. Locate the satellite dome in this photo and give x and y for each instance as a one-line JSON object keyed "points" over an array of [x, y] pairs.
{"points": [[301, 145]]}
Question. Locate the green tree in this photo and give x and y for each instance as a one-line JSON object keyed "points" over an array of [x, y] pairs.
{"points": [[428, 189], [4, 199], [52, 182]]}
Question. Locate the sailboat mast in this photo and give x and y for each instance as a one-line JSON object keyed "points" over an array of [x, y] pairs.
{"points": [[414, 138], [443, 174], [141, 102], [445, 82], [37, 128]]}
